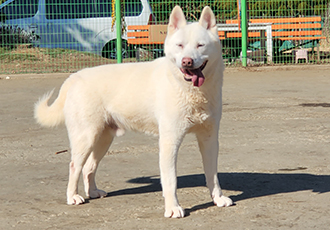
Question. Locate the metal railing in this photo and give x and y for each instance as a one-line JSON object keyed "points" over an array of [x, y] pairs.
{"points": [[45, 36]]}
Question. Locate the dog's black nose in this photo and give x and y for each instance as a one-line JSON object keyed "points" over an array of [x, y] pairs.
{"points": [[187, 62]]}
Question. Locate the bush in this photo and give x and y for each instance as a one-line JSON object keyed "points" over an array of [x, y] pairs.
{"points": [[193, 9], [290, 8], [10, 36], [227, 9]]}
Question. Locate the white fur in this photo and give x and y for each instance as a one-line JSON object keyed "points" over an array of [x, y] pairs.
{"points": [[100, 103]]}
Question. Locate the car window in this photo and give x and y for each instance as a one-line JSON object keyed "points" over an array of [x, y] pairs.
{"points": [[70, 9], [20, 9], [73, 9], [133, 8], [104, 8]]}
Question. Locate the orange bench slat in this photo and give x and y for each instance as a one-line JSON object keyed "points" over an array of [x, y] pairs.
{"points": [[286, 20], [278, 20], [138, 41], [297, 26], [138, 34], [239, 34], [138, 27]]}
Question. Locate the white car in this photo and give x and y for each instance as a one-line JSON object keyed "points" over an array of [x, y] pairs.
{"points": [[83, 25]]}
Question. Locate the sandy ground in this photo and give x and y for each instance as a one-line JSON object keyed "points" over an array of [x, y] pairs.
{"points": [[274, 161]]}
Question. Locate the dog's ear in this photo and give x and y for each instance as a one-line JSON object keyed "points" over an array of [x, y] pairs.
{"points": [[177, 20], [207, 19]]}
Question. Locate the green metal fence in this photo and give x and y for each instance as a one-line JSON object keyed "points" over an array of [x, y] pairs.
{"points": [[45, 36]]}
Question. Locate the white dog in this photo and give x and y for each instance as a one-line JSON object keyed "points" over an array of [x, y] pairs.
{"points": [[169, 96]]}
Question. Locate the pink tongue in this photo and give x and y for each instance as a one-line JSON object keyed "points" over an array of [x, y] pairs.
{"points": [[197, 77]]}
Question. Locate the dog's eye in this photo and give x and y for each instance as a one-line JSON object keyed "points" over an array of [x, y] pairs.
{"points": [[180, 45], [199, 45]]}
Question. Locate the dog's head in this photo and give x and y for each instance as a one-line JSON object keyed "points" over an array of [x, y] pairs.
{"points": [[193, 47]]}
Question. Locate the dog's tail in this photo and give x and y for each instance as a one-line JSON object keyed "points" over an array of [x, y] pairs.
{"points": [[52, 115]]}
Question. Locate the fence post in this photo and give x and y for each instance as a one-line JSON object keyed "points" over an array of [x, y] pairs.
{"points": [[118, 31], [244, 32]]}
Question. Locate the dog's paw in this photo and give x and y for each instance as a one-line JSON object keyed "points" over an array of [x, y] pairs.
{"points": [[222, 201], [97, 194], [75, 200], [174, 212]]}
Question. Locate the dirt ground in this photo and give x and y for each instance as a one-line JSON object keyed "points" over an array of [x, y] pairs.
{"points": [[274, 161]]}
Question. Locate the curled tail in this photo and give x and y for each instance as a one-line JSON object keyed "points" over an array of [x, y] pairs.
{"points": [[52, 115]]}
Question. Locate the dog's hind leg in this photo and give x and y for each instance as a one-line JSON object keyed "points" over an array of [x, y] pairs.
{"points": [[209, 147], [80, 150], [82, 141], [89, 170]]}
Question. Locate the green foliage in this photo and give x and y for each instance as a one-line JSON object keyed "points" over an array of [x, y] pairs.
{"points": [[290, 8], [227, 9], [192, 9]]}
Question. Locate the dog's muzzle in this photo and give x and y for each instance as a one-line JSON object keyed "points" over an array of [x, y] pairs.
{"points": [[194, 75]]}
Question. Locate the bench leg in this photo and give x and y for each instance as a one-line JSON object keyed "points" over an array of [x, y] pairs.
{"points": [[137, 54], [318, 52]]}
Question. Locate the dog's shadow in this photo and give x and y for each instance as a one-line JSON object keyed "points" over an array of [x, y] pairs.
{"points": [[252, 185]]}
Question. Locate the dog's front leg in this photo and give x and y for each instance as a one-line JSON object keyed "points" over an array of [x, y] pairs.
{"points": [[169, 144], [209, 147]]}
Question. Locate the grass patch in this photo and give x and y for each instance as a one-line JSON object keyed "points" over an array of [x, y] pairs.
{"points": [[18, 57], [27, 59]]}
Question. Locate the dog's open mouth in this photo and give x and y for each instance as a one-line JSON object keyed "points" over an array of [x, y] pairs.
{"points": [[194, 75]]}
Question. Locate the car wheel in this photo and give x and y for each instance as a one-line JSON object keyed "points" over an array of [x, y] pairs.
{"points": [[110, 50]]}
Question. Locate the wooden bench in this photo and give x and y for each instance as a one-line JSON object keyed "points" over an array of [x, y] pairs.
{"points": [[304, 29], [151, 34], [146, 34], [150, 37]]}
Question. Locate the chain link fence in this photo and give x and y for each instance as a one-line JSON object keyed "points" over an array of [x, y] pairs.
{"points": [[46, 36]]}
